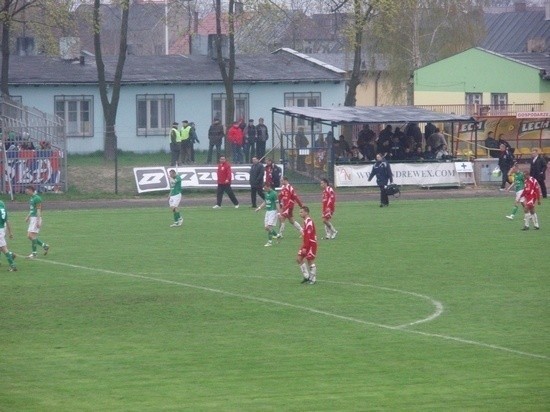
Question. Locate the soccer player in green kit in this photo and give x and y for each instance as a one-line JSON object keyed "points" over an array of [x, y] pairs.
{"points": [[175, 197], [518, 183], [271, 204], [34, 218], [6, 228]]}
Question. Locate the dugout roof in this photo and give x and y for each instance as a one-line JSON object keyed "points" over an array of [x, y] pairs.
{"points": [[374, 114]]}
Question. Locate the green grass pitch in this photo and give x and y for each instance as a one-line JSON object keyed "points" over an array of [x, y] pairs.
{"points": [[425, 305]]}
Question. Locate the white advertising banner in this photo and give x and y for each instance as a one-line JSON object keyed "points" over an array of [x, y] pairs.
{"points": [[155, 178], [419, 174]]}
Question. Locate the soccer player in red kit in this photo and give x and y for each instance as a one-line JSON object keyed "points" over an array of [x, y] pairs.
{"points": [[288, 198], [329, 204], [531, 194], [308, 250]]}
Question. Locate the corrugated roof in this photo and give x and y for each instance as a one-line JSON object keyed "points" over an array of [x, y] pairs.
{"points": [[374, 114], [170, 69], [510, 32]]}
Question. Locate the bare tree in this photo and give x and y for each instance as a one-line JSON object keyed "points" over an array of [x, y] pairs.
{"points": [[227, 67], [110, 107]]}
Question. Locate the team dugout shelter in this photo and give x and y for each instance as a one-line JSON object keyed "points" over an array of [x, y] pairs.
{"points": [[323, 125]]}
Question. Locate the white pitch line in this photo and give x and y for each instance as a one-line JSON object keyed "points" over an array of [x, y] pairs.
{"points": [[401, 328]]}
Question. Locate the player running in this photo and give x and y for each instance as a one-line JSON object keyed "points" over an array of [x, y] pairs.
{"points": [[288, 199], [518, 183], [175, 197], [328, 206]]}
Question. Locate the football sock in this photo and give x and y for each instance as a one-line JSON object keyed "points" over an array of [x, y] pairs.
{"points": [[177, 216], [332, 228], [327, 231], [535, 218], [33, 245], [282, 228], [514, 210], [39, 242], [273, 232], [303, 268], [297, 226], [9, 256], [313, 271], [526, 219]]}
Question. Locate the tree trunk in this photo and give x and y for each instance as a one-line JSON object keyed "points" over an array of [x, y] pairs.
{"points": [[4, 82]]}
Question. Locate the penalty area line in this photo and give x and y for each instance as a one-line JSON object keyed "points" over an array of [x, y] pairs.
{"points": [[401, 328]]}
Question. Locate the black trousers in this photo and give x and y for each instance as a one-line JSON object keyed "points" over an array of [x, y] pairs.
{"points": [[542, 185], [175, 153], [256, 191], [225, 189], [211, 146], [384, 199]]}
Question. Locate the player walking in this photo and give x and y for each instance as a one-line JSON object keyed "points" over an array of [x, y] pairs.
{"points": [[288, 199], [271, 205], [328, 206], [308, 250], [6, 228], [34, 218], [175, 197], [531, 193], [518, 183]]}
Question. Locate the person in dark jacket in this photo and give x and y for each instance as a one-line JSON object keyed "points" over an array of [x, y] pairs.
{"points": [[538, 169], [505, 163], [382, 170], [256, 181], [215, 139]]}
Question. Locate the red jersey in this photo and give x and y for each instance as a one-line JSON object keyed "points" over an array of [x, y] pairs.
{"points": [[309, 240], [224, 173], [531, 191], [235, 135], [329, 199], [288, 197]]}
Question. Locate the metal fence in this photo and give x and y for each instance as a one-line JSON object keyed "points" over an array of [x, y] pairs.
{"points": [[33, 149]]}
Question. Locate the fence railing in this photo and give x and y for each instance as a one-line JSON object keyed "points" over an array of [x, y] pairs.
{"points": [[484, 109]]}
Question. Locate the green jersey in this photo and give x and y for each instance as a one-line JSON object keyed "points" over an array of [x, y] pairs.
{"points": [[271, 200], [3, 215], [175, 187], [519, 181], [34, 203]]}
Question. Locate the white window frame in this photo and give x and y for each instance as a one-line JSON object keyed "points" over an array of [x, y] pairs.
{"points": [[302, 99], [77, 113], [154, 114], [241, 102]]}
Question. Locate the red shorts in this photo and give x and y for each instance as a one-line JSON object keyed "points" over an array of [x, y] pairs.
{"points": [[287, 212], [327, 214], [308, 254]]}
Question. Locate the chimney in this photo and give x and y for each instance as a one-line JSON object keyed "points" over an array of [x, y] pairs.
{"points": [[520, 6]]}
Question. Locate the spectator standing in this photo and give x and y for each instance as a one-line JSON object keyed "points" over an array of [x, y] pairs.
{"points": [[175, 144], [413, 132], [249, 141], [288, 198], [491, 143], [186, 144], [505, 163], [256, 181], [174, 198], [538, 169], [308, 249], [34, 219], [436, 139], [224, 184], [300, 142], [328, 206], [382, 170], [262, 135], [272, 173], [5, 228], [235, 137], [531, 194], [384, 139], [193, 138], [271, 206], [429, 129], [215, 139], [363, 138], [342, 149]]}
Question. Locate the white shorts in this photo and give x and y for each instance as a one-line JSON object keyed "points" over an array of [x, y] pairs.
{"points": [[3, 237], [33, 225], [174, 201], [270, 218], [519, 195]]}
